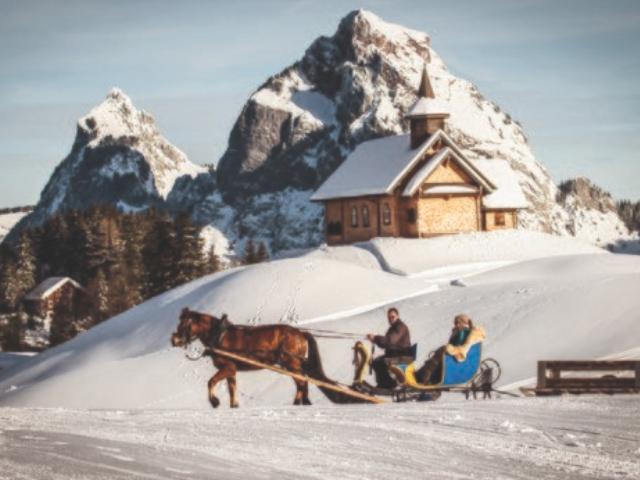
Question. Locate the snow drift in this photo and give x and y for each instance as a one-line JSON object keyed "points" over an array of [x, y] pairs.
{"points": [[558, 306]]}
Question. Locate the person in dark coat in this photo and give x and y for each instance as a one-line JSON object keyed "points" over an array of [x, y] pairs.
{"points": [[396, 343]]}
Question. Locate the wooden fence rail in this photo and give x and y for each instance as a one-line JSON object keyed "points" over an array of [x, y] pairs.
{"points": [[556, 377]]}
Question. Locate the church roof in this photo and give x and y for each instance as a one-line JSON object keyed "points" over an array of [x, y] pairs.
{"points": [[377, 166], [48, 286], [508, 195]]}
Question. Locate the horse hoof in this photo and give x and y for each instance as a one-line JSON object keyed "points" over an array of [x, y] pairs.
{"points": [[235, 405], [215, 403], [306, 401]]}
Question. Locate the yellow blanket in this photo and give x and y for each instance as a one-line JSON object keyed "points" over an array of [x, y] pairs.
{"points": [[476, 335]]}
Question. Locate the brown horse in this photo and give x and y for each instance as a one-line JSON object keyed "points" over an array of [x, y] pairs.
{"points": [[287, 346]]}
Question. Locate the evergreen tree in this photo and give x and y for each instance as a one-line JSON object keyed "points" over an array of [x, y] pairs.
{"points": [[262, 254], [159, 254], [99, 291], [250, 254], [213, 261], [24, 275], [131, 269], [75, 253], [13, 334], [188, 260], [7, 276], [53, 248]]}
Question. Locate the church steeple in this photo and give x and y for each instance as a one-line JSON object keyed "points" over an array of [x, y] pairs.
{"points": [[428, 114], [425, 90]]}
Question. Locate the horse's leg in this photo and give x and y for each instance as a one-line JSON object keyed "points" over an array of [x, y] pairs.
{"points": [[231, 383], [220, 375], [293, 364], [298, 399], [305, 394]]}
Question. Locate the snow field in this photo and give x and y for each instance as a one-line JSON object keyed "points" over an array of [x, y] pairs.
{"points": [[550, 307]]}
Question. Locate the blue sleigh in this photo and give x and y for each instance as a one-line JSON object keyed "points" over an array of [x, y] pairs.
{"points": [[469, 375]]}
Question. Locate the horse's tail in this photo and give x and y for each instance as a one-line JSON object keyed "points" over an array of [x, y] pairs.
{"points": [[313, 368]]}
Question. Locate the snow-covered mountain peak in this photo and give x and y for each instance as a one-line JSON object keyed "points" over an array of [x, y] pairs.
{"points": [[119, 157], [117, 122], [116, 117], [366, 25]]}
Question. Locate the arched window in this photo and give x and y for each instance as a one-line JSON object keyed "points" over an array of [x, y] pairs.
{"points": [[386, 214], [365, 216], [354, 216]]}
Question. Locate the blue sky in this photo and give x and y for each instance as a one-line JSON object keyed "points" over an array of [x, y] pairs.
{"points": [[567, 70]]}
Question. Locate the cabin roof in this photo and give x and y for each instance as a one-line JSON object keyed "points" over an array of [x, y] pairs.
{"points": [[509, 194], [49, 286], [377, 166]]}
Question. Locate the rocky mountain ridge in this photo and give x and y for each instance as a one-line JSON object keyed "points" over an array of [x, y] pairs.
{"points": [[294, 131]]}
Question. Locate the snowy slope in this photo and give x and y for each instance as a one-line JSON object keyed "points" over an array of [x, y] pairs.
{"points": [[7, 222], [530, 309]]}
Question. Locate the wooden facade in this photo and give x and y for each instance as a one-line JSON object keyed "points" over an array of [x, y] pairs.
{"points": [[44, 299]]}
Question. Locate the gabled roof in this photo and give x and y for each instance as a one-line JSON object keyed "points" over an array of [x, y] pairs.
{"points": [[423, 173], [377, 166], [508, 195], [48, 286]]}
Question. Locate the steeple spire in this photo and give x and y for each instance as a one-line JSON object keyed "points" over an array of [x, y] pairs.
{"points": [[425, 90], [428, 114]]}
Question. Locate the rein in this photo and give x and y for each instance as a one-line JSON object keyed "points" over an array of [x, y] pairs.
{"points": [[320, 333]]}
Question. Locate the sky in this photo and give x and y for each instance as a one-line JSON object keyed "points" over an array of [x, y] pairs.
{"points": [[567, 70]]}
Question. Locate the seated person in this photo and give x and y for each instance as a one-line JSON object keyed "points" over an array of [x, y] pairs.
{"points": [[463, 336], [396, 343]]}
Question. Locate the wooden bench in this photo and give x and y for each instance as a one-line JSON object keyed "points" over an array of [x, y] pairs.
{"points": [[609, 381]]}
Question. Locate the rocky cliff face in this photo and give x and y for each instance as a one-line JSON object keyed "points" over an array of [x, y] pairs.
{"points": [[589, 213]]}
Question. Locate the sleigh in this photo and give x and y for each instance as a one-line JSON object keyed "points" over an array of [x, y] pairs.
{"points": [[470, 376]]}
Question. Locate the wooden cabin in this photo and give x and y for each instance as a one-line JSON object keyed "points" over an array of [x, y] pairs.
{"points": [[417, 185], [43, 299]]}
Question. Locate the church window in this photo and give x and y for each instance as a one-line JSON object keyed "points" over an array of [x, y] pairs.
{"points": [[365, 216], [386, 214], [354, 217]]}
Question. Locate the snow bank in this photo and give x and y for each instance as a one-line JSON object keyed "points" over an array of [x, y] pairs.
{"points": [[412, 256], [7, 221], [10, 359]]}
